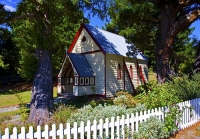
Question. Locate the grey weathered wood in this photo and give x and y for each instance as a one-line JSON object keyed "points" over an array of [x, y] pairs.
{"points": [[42, 90]]}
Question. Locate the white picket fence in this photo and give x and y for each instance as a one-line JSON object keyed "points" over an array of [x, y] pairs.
{"points": [[113, 127]]}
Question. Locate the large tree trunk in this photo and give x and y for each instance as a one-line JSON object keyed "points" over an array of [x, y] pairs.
{"points": [[163, 45], [162, 50], [42, 90]]}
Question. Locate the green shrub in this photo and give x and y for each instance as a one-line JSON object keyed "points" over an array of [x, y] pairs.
{"points": [[156, 96], [185, 87], [101, 112], [125, 99], [152, 128], [61, 114]]}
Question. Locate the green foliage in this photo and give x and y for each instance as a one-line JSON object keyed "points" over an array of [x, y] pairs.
{"points": [[9, 54], [185, 87], [124, 98], [61, 114], [45, 30], [101, 112], [152, 128], [157, 95], [23, 109]]}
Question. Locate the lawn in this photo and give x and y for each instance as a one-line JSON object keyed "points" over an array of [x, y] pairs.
{"points": [[10, 98]]}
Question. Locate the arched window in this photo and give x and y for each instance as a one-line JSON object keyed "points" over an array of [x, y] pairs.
{"points": [[119, 72], [83, 39], [131, 72]]}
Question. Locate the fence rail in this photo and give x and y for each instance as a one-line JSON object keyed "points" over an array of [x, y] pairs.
{"points": [[113, 127]]}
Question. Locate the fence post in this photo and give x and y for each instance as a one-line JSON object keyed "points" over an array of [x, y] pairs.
{"points": [[53, 131]]}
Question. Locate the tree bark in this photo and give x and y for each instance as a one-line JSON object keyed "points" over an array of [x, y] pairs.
{"points": [[162, 50], [42, 90], [169, 28]]}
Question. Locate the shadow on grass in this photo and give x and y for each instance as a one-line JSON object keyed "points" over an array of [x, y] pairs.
{"points": [[81, 101]]}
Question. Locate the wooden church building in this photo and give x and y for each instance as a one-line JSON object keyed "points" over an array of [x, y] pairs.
{"points": [[96, 64]]}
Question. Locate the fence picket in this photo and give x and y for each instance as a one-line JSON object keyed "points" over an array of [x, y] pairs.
{"points": [[14, 135], [101, 128], [75, 130], [122, 123], [53, 131], [88, 130], [114, 127], [45, 133], [118, 127], [30, 134], [136, 122], [7, 134], [23, 133], [38, 134], [67, 131], [61, 131], [107, 127], [94, 129], [82, 131]]}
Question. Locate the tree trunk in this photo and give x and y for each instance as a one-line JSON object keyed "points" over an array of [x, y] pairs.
{"points": [[162, 48], [42, 90]]}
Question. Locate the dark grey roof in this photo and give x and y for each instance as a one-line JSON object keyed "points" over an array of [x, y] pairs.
{"points": [[81, 65]]}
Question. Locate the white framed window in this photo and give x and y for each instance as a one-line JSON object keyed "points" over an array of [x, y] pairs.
{"points": [[87, 81], [81, 80], [59, 80], [91, 80], [76, 80], [66, 80], [71, 81]]}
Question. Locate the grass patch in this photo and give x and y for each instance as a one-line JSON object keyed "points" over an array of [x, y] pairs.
{"points": [[152, 76], [10, 98], [8, 115]]}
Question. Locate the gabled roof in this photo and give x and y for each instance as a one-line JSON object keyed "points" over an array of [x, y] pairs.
{"points": [[81, 65], [108, 42]]}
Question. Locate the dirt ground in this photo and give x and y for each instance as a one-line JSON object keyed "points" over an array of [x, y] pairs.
{"points": [[192, 132]]}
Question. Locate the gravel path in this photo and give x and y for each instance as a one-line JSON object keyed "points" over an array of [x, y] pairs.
{"points": [[8, 109]]}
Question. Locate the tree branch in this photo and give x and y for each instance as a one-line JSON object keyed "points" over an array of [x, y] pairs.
{"points": [[182, 23], [12, 19]]}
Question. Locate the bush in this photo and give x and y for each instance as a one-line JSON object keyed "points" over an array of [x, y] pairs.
{"points": [[185, 87], [124, 99], [62, 113], [156, 96], [101, 112], [153, 128]]}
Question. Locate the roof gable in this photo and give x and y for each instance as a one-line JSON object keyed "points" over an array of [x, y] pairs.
{"points": [[108, 42]]}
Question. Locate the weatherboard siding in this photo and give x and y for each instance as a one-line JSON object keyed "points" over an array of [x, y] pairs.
{"points": [[136, 75], [96, 61], [112, 83], [87, 46]]}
